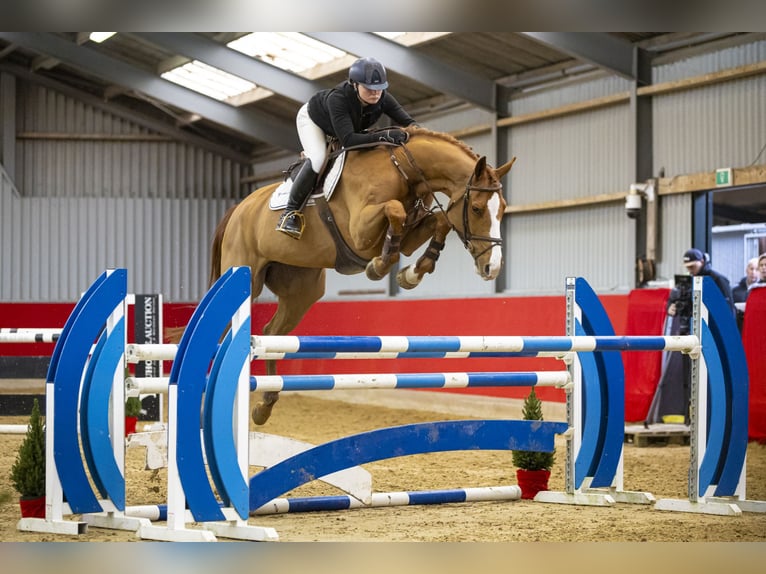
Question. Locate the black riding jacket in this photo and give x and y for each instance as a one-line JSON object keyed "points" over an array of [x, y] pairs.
{"points": [[340, 113]]}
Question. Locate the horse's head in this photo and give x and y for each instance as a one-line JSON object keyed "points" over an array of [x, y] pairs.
{"points": [[477, 220]]}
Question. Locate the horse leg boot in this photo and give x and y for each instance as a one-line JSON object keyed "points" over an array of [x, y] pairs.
{"points": [[292, 221]]}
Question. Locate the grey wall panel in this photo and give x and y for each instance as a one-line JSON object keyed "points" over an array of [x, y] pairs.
{"points": [[571, 157], [675, 235], [574, 92], [54, 248], [721, 125], [711, 62], [456, 121], [544, 248], [104, 156], [716, 126]]}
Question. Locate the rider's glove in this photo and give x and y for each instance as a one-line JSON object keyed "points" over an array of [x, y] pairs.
{"points": [[394, 136]]}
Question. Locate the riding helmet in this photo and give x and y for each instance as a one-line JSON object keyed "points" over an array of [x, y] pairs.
{"points": [[368, 72]]}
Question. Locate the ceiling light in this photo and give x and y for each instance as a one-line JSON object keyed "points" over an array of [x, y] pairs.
{"points": [[99, 37]]}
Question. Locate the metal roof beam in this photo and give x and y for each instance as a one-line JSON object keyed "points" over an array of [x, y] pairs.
{"points": [[425, 69], [224, 58], [598, 48], [253, 124]]}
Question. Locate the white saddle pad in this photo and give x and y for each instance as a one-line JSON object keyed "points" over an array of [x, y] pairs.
{"points": [[281, 194]]}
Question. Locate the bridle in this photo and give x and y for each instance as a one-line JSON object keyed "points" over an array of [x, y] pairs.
{"points": [[465, 236]]}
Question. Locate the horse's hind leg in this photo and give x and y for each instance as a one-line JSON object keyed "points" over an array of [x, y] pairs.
{"points": [[297, 289]]}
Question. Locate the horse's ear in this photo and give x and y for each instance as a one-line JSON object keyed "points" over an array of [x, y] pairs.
{"points": [[504, 169], [481, 165]]}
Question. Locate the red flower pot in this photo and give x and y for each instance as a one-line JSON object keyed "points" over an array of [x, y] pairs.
{"points": [[32, 507], [532, 481], [130, 425]]}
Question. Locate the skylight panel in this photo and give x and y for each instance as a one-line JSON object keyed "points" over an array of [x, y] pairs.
{"points": [[208, 80], [290, 51]]}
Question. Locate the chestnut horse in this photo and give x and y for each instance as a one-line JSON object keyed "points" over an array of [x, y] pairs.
{"points": [[386, 202]]}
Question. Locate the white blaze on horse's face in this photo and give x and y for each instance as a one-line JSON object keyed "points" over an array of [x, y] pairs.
{"points": [[496, 254], [490, 269]]}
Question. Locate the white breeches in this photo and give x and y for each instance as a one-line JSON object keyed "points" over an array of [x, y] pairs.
{"points": [[312, 138]]}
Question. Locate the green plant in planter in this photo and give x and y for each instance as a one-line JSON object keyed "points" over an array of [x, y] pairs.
{"points": [[132, 407], [28, 472], [531, 460]]}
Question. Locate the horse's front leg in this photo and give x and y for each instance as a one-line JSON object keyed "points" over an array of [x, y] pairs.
{"points": [[262, 410], [411, 276], [379, 266]]}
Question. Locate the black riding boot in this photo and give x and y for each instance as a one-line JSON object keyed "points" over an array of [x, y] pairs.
{"points": [[292, 220]]}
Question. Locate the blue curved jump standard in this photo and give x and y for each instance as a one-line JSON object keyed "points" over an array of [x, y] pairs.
{"points": [[94, 415], [207, 438], [200, 342], [712, 462], [399, 441], [611, 384], [71, 354], [591, 442], [728, 346], [219, 440]]}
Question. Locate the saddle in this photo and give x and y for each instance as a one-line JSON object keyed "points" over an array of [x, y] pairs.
{"points": [[347, 262]]}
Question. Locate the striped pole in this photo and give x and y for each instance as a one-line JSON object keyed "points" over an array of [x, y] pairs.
{"points": [[135, 385], [472, 344], [29, 335], [158, 512]]}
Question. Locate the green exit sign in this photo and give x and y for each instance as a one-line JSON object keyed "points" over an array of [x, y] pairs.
{"points": [[723, 177]]}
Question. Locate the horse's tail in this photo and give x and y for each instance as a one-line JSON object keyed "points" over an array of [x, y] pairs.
{"points": [[216, 249]]}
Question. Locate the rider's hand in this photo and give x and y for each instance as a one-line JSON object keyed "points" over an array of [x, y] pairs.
{"points": [[394, 136], [672, 310]]}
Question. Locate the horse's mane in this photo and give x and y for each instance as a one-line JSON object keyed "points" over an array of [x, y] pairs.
{"points": [[418, 130]]}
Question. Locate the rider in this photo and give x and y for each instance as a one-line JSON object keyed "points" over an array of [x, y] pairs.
{"points": [[344, 112]]}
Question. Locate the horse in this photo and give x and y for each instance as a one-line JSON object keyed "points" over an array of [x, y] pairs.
{"points": [[385, 203]]}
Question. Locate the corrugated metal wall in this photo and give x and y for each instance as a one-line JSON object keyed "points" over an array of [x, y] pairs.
{"points": [[108, 156], [52, 249], [570, 157]]}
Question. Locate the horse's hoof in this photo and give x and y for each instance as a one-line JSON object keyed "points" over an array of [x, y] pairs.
{"points": [[404, 282], [371, 273], [262, 412]]}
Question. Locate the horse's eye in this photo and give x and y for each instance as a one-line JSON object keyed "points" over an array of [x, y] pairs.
{"points": [[477, 210]]}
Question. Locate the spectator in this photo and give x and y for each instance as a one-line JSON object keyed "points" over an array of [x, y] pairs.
{"points": [[739, 293], [676, 380], [761, 272], [697, 263]]}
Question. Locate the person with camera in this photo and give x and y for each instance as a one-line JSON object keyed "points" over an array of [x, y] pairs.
{"points": [[697, 263], [674, 398], [344, 112]]}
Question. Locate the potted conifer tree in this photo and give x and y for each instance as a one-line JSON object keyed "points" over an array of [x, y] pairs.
{"points": [[28, 472], [132, 410], [533, 468]]}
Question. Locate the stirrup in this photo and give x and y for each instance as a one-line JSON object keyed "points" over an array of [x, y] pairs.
{"points": [[287, 223]]}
